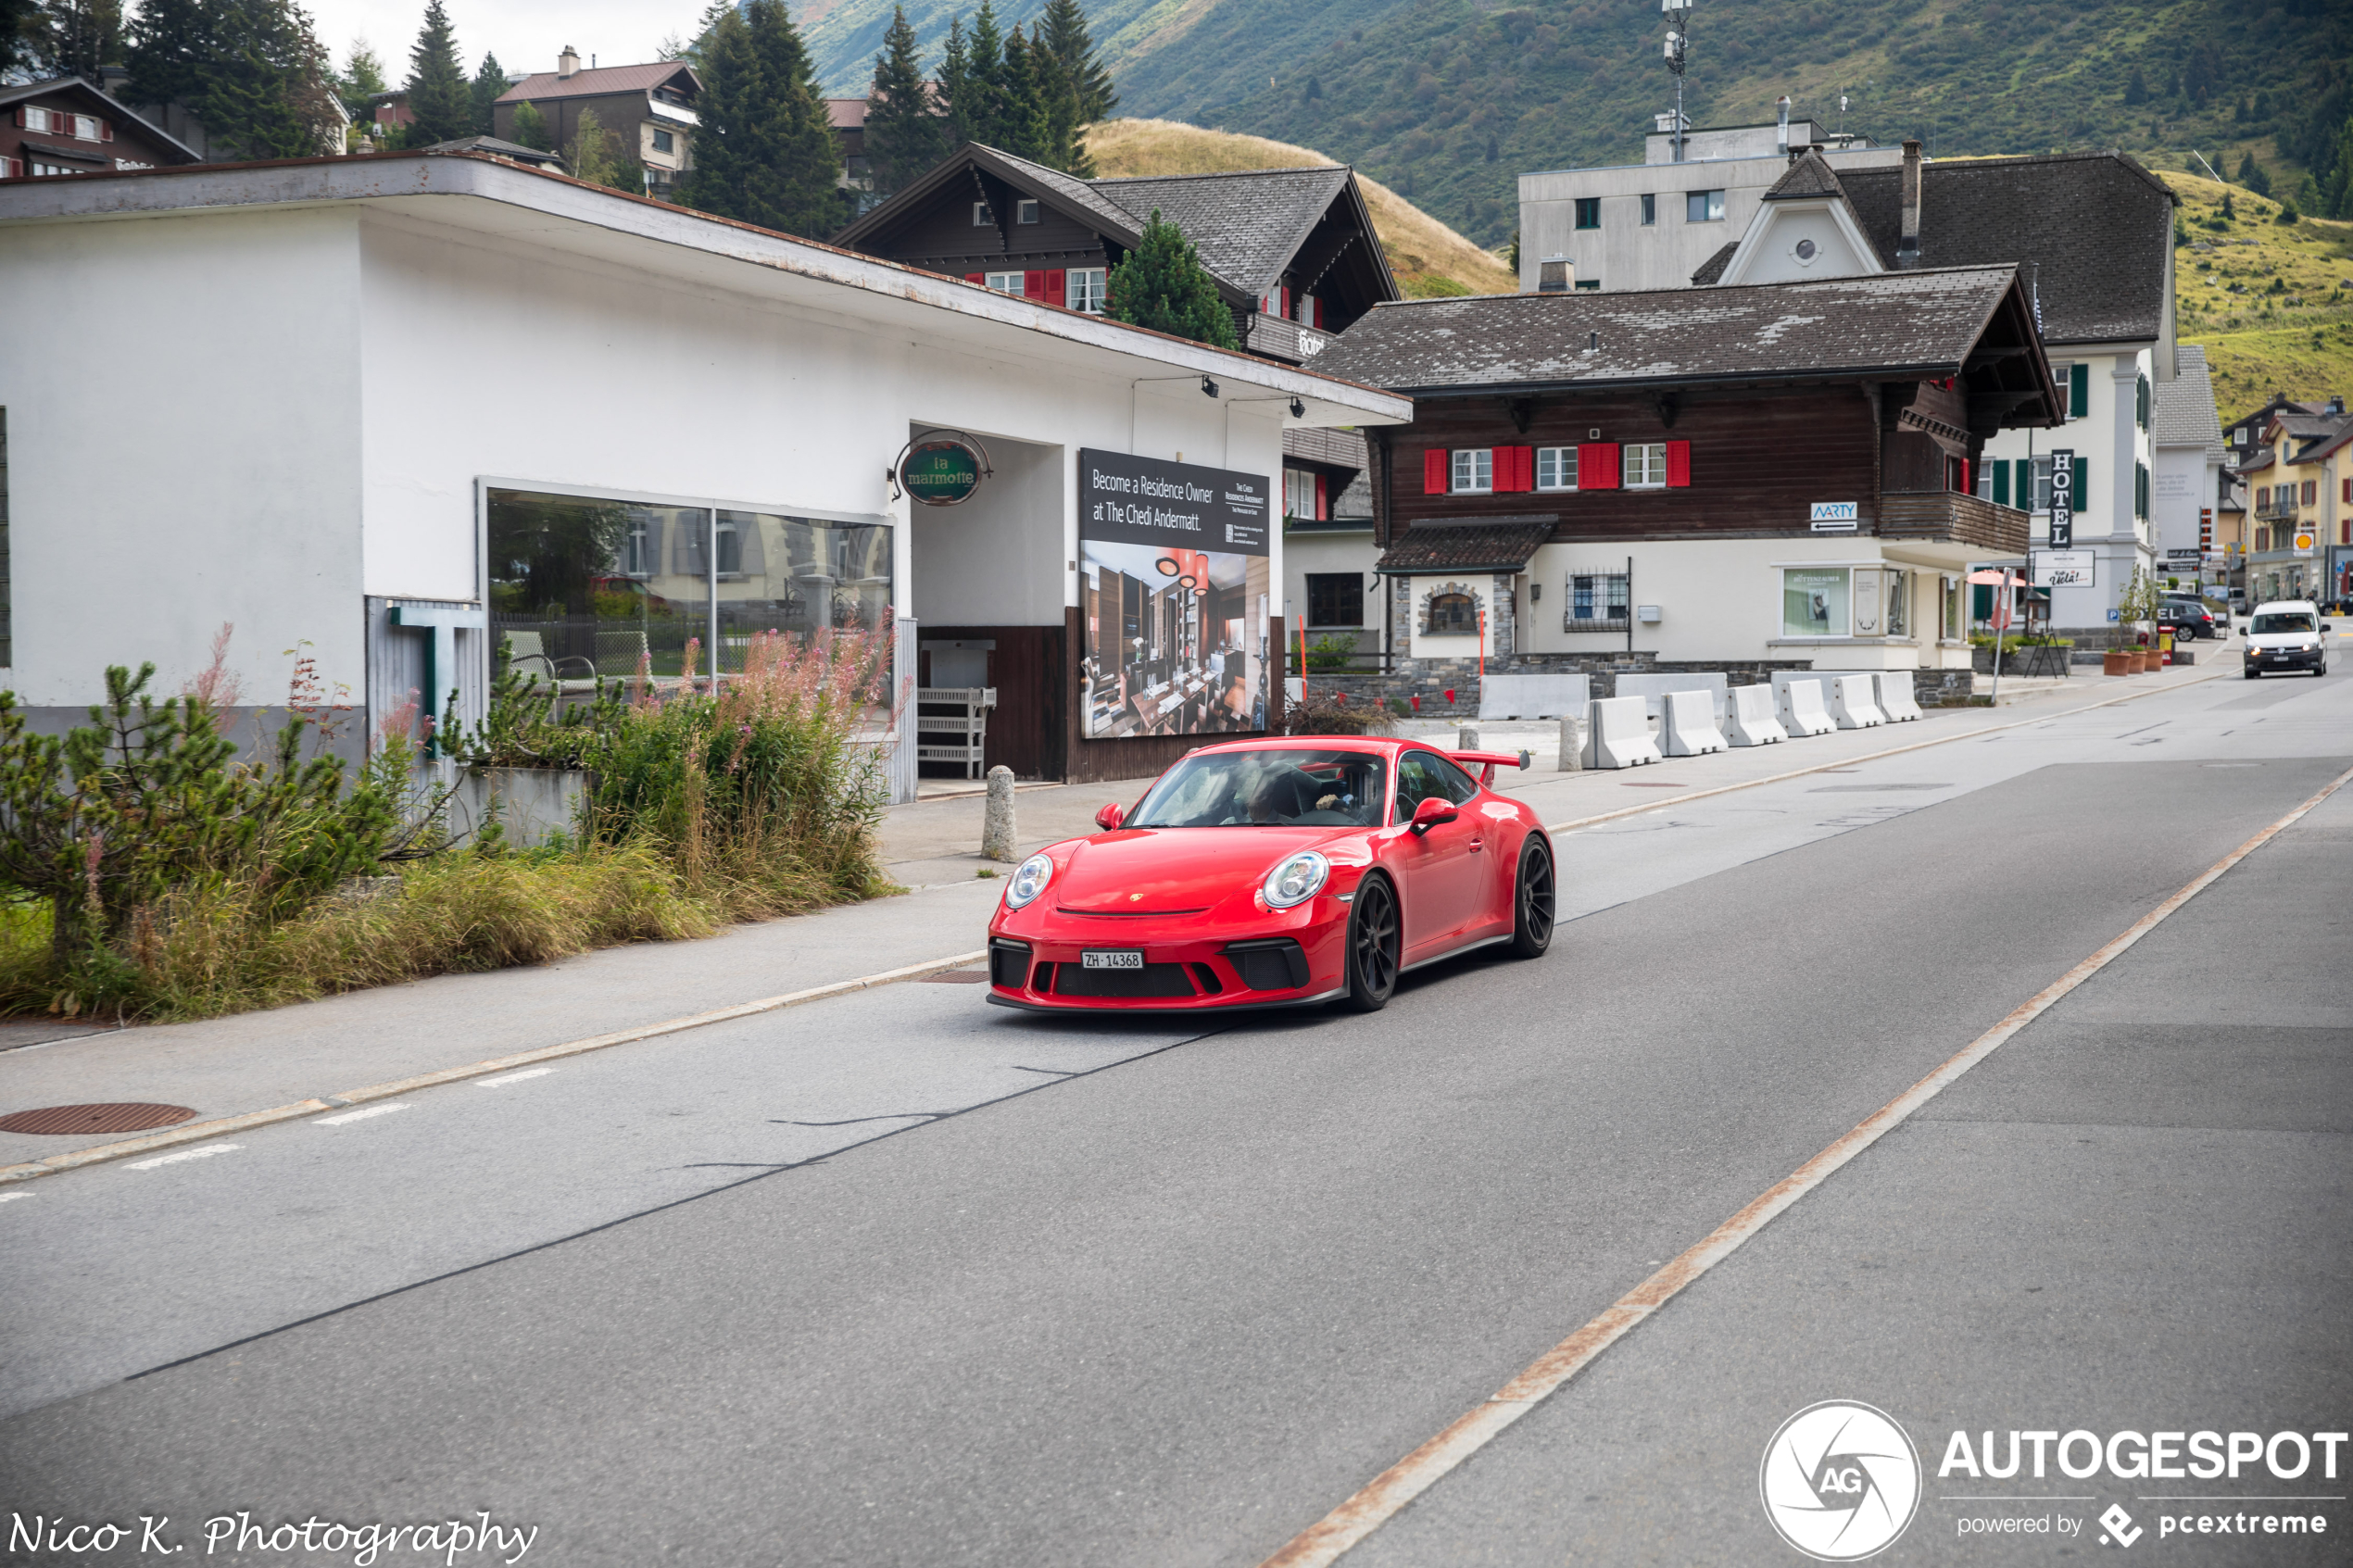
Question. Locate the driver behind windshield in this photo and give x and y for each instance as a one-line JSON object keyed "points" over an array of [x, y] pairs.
{"points": [[1317, 788]]}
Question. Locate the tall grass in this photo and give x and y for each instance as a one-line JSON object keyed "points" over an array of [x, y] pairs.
{"points": [[754, 800]]}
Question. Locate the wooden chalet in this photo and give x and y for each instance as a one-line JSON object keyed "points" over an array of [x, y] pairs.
{"points": [[1292, 250]]}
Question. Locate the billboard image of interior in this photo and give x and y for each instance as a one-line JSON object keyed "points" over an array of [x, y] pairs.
{"points": [[1174, 583]]}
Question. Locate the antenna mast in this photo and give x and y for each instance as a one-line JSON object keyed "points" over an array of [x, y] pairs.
{"points": [[1678, 38]]}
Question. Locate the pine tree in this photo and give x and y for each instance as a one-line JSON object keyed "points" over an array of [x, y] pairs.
{"points": [[766, 152], [490, 82], [531, 128], [697, 54], [440, 99], [169, 44], [1058, 103], [1021, 116], [904, 132], [984, 111], [264, 90], [362, 78], [1162, 285], [2252, 176], [84, 35], [955, 85], [1065, 33], [2136, 89]]}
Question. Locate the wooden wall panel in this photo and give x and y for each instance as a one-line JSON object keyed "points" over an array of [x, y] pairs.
{"points": [[1758, 460], [1032, 670]]}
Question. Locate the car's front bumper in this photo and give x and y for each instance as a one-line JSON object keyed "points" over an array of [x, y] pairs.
{"points": [[2284, 658], [1291, 958]]}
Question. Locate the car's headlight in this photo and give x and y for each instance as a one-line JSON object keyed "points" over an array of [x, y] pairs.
{"points": [[1296, 879], [1028, 880]]}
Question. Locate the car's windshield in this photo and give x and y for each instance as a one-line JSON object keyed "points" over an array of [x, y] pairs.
{"points": [[2282, 620], [1312, 788]]}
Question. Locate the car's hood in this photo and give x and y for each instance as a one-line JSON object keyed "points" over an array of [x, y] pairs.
{"points": [[2282, 639], [1154, 871]]}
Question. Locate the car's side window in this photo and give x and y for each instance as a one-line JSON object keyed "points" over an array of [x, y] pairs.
{"points": [[1415, 780], [1458, 786]]}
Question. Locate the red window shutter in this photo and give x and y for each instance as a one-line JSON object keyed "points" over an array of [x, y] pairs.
{"points": [[1033, 285], [11, 169], [1057, 286], [1596, 466], [975, 278], [105, 130], [24, 118], [1323, 498], [1434, 463], [1678, 465], [1515, 469]]}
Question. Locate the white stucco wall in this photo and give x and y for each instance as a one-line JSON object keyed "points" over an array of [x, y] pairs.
{"points": [[2110, 439], [182, 398]]}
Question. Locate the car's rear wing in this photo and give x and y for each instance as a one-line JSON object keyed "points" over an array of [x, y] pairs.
{"points": [[1488, 762]]}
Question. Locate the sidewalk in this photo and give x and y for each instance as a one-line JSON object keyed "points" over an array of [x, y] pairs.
{"points": [[255, 1061]]}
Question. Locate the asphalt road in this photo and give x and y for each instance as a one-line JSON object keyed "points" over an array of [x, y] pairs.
{"points": [[903, 1279]]}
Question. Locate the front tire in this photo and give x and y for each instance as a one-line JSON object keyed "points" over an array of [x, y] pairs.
{"points": [[1532, 901], [1375, 936]]}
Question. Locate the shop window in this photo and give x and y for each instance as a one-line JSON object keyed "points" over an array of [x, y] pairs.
{"points": [[1556, 468], [1597, 602], [1452, 615], [1474, 470], [1814, 601], [1948, 625], [1026, 212], [1086, 289], [1335, 598], [1645, 465], [1588, 212], [1703, 206], [1899, 604], [1649, 210]]}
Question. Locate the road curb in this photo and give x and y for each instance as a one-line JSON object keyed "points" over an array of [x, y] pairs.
{"points": [[197, 1132]]}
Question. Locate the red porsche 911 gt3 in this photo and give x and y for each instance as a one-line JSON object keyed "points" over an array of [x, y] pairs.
{"points": [[1280, 871]]}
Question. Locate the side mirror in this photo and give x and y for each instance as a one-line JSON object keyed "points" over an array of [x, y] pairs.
{"points": [[1434, 809], [1110, 816]]}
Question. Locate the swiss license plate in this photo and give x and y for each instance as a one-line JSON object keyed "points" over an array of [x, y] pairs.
{"points": [[1112, 957]]}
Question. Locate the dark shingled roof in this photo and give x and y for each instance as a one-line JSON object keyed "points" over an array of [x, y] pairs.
{"points": [[1495, 544], [1924, 322], [1713, 268], [1809, 176], [498, 149], [2097, 227], [1247, 226]]}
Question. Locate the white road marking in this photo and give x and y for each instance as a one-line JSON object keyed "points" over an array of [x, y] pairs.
{"points": [[1381, 1498], [209, 1148], [513, 1078], [6, 1197], [359, 1115]]}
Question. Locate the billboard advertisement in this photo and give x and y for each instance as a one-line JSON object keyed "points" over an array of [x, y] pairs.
{"points": [[1174, 588]]}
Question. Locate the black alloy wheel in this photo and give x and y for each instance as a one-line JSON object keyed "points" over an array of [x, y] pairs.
{"points": [[1373, 939], [1532, 901]]}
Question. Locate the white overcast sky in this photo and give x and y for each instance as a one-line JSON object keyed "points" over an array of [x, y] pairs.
{"points": [[525, 34]]}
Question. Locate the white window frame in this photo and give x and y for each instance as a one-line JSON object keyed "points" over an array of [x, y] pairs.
{"points": [[1027, 210], [982, 217], [1086, 289], [665, 143], [1651, 460], [1003, 282], [1471, 471], [1556, 468], [1298, 494]]}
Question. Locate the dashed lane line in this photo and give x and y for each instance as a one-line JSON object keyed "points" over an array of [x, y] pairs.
{"points": [[1387, 1494]]}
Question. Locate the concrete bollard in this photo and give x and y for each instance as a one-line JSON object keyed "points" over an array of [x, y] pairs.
{"points": [[1466, 739], [1572, 745], [997, 840]]}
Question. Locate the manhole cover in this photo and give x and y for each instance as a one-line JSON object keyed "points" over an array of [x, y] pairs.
{"points": [[958, 977], [96, 1118]]}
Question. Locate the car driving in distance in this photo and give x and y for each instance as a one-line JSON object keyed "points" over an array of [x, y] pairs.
{"points": [[1279, 872], [2287, 634]]}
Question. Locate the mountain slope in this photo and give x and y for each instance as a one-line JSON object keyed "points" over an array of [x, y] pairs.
{"points": [[1427, 256], [2295, 337], [1449, 100]]}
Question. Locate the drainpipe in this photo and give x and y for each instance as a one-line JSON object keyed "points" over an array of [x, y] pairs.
{"points": [[1907, 242]]}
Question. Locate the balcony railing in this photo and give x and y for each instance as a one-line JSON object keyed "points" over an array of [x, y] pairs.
{"points": [[1278, 339], [1949, 516]]}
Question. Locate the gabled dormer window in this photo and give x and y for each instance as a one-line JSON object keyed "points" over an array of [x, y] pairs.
{"points": [[983, 217]]}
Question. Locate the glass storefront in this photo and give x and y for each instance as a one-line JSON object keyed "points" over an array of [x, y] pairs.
{"points": [[1814, 602]]}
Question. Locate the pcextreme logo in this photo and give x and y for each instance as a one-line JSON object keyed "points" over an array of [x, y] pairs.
{"points": [[1839, 1481]]}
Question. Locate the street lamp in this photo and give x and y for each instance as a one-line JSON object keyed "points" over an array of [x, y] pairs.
{"points": [[1676, 50]]}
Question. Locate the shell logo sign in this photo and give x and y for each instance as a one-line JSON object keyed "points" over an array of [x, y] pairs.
{"points": [[2304, 543]]}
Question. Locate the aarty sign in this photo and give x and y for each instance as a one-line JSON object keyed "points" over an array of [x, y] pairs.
{"points": [[1174, 589], [942, 469], [2062, 498]]}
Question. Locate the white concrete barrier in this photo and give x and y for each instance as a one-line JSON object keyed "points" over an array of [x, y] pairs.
{"points": [[1652, 690], [1896, 698], [1854, 702], [1803, 710], [1617, 734], [1533, 696], [1689, 728], [1752, 721]]}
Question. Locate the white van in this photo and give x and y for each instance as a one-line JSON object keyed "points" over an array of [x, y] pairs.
{"points": [[2287, 634]]}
